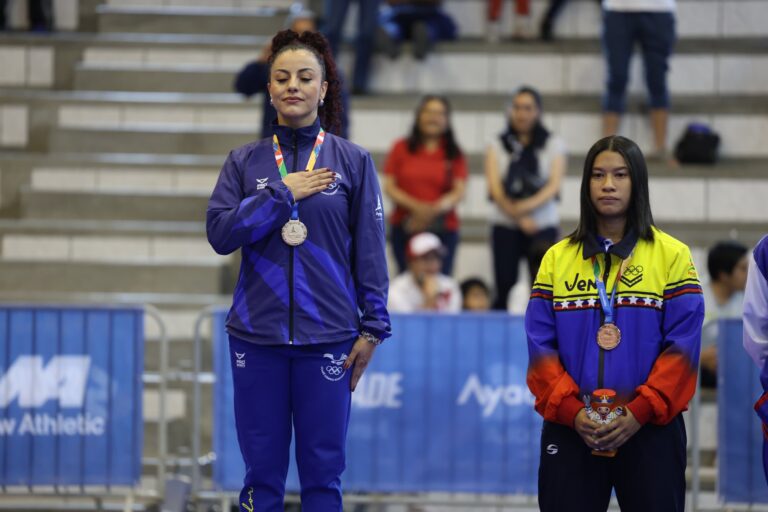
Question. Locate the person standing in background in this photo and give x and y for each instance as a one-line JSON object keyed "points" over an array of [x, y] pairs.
{"points": [[649, 24], [334, 18], [425, 175], [525, 221], [309, 307]]}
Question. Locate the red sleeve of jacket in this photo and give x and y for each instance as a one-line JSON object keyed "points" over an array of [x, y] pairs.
{"points": [[672, 381], [556, 393]]}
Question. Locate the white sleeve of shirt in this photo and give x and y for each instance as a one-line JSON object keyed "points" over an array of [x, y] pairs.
{"points": [[401, 295], [454, 304], [756, 314]]}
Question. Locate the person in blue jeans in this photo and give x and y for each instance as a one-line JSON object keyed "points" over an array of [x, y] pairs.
{"points": [[304, 209], [335, 15], [424, 22], [649, 24]]}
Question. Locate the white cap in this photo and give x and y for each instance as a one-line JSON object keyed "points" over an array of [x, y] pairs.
{"points": [[424, 243]]}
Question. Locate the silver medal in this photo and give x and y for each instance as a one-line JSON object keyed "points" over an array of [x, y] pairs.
{"points": [[294, 233]]}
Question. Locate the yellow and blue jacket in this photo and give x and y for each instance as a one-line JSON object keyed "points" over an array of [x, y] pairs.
{"points": [[659, 310]]}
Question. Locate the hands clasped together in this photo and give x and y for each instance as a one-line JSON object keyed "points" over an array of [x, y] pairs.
{"points": [[606, 437]]}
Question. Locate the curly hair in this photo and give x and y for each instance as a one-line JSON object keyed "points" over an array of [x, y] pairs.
{"points": [[314, 42]]}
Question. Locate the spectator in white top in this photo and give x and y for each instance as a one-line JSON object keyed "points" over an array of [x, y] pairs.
{"points": [[422, 287], [524, 168], [649, 24]]}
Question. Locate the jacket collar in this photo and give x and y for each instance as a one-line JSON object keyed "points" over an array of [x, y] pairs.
{"points": [[303, 136], [592, 246]]}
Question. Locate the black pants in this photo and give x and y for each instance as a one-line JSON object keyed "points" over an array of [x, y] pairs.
{"points": [[509, 246], [40, 14], [648, 472]]}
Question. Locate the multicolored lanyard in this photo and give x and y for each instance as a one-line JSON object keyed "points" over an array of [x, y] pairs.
{"points": [[310, 164], [601, 291]]}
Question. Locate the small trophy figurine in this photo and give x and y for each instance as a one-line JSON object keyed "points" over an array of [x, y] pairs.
{"points": [[600, 409]]}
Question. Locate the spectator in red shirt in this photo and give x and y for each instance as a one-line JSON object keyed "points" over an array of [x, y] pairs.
{"points": [[425, 175]]}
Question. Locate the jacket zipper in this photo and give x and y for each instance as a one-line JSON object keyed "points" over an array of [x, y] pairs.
{"points": [[601, 359], [293, 254]]}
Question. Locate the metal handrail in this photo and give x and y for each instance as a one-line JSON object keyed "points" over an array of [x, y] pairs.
{"points": [[205, 314], [162, 423]]}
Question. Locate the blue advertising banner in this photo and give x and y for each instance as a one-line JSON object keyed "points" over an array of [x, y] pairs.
{"points": [[70, 395], [443, 407], [741, 478]]}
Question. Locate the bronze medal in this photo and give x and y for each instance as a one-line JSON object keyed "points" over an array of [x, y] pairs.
{"points": [[608, 336], [294, 233]]}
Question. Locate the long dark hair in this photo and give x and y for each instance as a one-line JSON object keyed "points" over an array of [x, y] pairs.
{"points": [[416, 138], [639, 217], [317, 45], [539, 133]]}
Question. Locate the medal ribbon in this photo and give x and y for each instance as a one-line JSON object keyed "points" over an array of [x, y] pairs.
{"points": [[280, 161], [608, 304]]}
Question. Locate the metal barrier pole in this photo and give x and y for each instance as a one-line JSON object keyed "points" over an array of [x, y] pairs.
{"points": [[162, 424], [196, 395], [696, 447]]}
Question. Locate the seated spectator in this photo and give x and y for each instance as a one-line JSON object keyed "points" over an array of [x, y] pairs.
{"points": [[525, 221], [522, 23], [253, 78], [723, 298], [423, 22], [425, 176], [367, 21], [422, 287], [475, 295]]}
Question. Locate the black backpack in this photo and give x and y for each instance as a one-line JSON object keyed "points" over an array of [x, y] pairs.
{"points": [[698, 145]]}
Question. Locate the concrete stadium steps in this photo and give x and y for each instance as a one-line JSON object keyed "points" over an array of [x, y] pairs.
{"points": [[212, 124], [706, 18], [695, 218], [741, 134], [698, 67], [111, 247], [110, 277], [112, 206], [190, 20]]}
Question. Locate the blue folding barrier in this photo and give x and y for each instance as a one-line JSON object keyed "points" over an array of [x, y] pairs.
{"points": [[443, 407], [70, 395], [739, 449]]}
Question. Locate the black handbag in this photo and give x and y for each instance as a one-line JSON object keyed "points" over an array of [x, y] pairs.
{"points": [[698, 145]]}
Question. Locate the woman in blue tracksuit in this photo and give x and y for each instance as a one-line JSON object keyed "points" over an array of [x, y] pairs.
{"points": [[310, 303]]}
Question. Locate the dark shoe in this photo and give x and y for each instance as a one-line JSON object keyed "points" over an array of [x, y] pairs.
{"points": [[421, 43], [387, 45], [545, 31]]}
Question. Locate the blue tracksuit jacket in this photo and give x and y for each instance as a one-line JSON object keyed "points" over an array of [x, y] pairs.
{"points": [[331, 287]]}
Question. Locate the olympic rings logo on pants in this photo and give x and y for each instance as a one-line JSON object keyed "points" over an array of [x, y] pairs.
{"points": [[335, 370]]}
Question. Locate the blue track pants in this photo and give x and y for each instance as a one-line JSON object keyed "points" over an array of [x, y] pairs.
{"points": [[285, 388]]}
